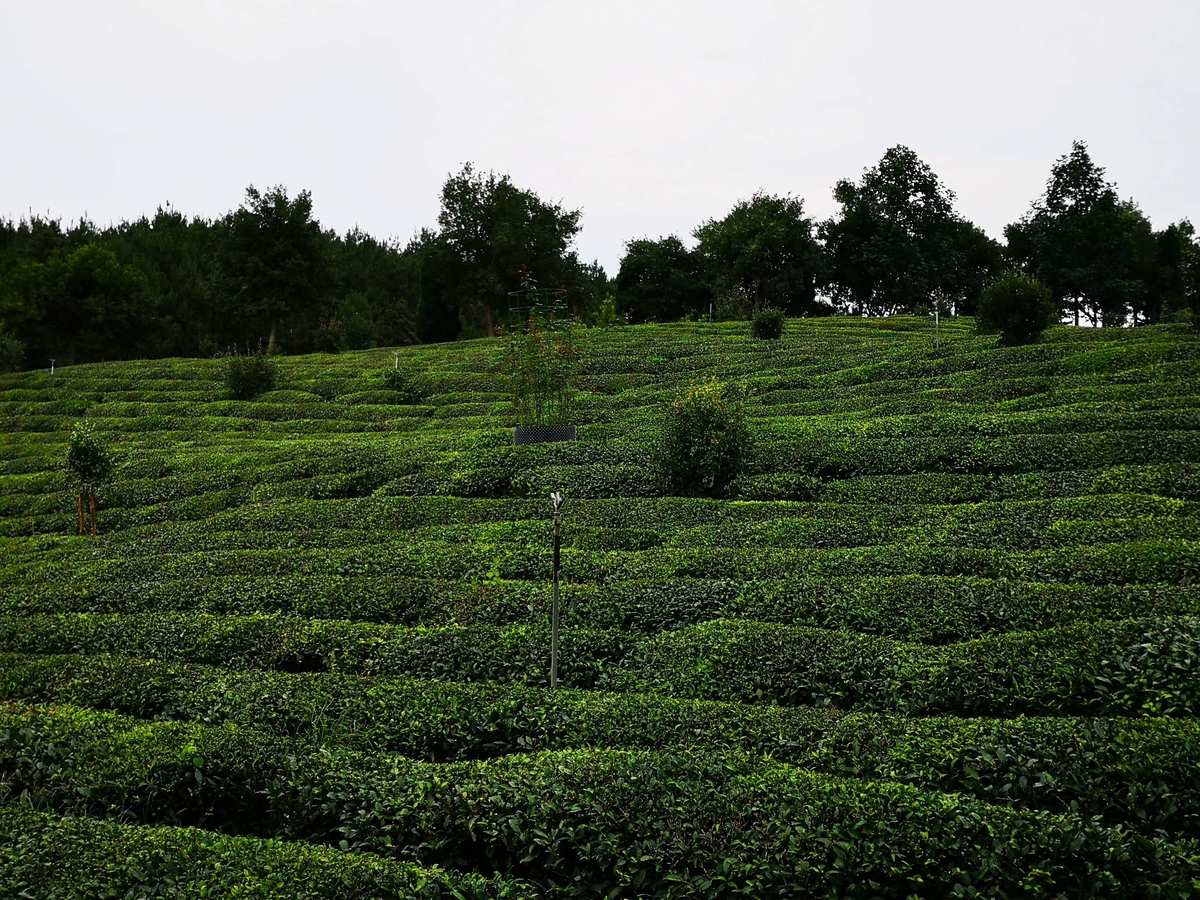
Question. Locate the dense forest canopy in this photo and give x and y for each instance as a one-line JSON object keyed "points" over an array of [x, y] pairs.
{"points": [[268, 275]]}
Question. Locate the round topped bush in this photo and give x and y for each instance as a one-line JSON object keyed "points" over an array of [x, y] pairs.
{"points": [[706, 441], [1018, 307], [767, 324]]}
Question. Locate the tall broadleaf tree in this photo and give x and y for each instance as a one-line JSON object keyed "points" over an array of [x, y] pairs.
{"points": [[497, 231], [763, 248], [660, 281], [897, 244], [1091, 249]]}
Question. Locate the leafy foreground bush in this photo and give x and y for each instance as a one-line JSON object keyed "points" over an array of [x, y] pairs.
{"points": [[585, 823], [248, 376], [1137, 771], [767, 324], [1017, 306], [707, 440], [44, 855]]}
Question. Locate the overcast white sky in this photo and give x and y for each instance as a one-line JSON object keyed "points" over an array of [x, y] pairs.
{"points": [[651, 116]]}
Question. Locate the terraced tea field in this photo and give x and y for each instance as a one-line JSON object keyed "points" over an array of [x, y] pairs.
{"points": [[945, 640]]}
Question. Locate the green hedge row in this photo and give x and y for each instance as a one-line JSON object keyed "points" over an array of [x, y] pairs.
{"points": [[517, 653], [176, 497], [1128, 667], [672, 514], [919, 608], [587, 823], [149, 478], [851, 355], [771, 391], [1015, 534], [905, 416], [79, 858], [1170, 480], [433, 462], [1174, 561], [1137, 771], [806, 368], [129, 499], [604, 480]]}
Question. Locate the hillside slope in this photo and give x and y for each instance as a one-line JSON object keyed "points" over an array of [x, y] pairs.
{"points": [[946, 632]]}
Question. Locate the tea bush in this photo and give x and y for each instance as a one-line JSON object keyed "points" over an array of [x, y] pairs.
{"points": [[69, 856], [246, 377], [1018, 307], [767, 324], [406, 388], [706, 442]]}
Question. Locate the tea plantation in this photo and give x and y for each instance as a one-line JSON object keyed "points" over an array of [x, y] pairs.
{"points": [[942, 638]]}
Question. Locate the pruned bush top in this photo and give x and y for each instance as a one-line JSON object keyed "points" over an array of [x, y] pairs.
{"points": [[1018, 307], [401, 382], [248, 376], [767, 324], [706, 441], [89, 462]]}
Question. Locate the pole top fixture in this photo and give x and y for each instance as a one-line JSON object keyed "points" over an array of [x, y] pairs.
{"points": [[557, 500]]}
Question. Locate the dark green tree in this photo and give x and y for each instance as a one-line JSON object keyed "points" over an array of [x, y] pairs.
{"points": [[1094, 251], [376, 296], [12, 352], [1167, 281], [181, 260], [897, 244], [660, 281], [202, 284], [278, 273], [496, 230], [977, 259], [586, 287], [80, 305], [433, 272], [1191, 281], [764, 248]]}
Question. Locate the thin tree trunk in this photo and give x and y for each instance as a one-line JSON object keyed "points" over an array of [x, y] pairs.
{"points": [[92, 504], [79, 509]]}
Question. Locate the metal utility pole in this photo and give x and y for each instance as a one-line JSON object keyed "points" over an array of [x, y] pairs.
{"points": [[556, 504]]}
